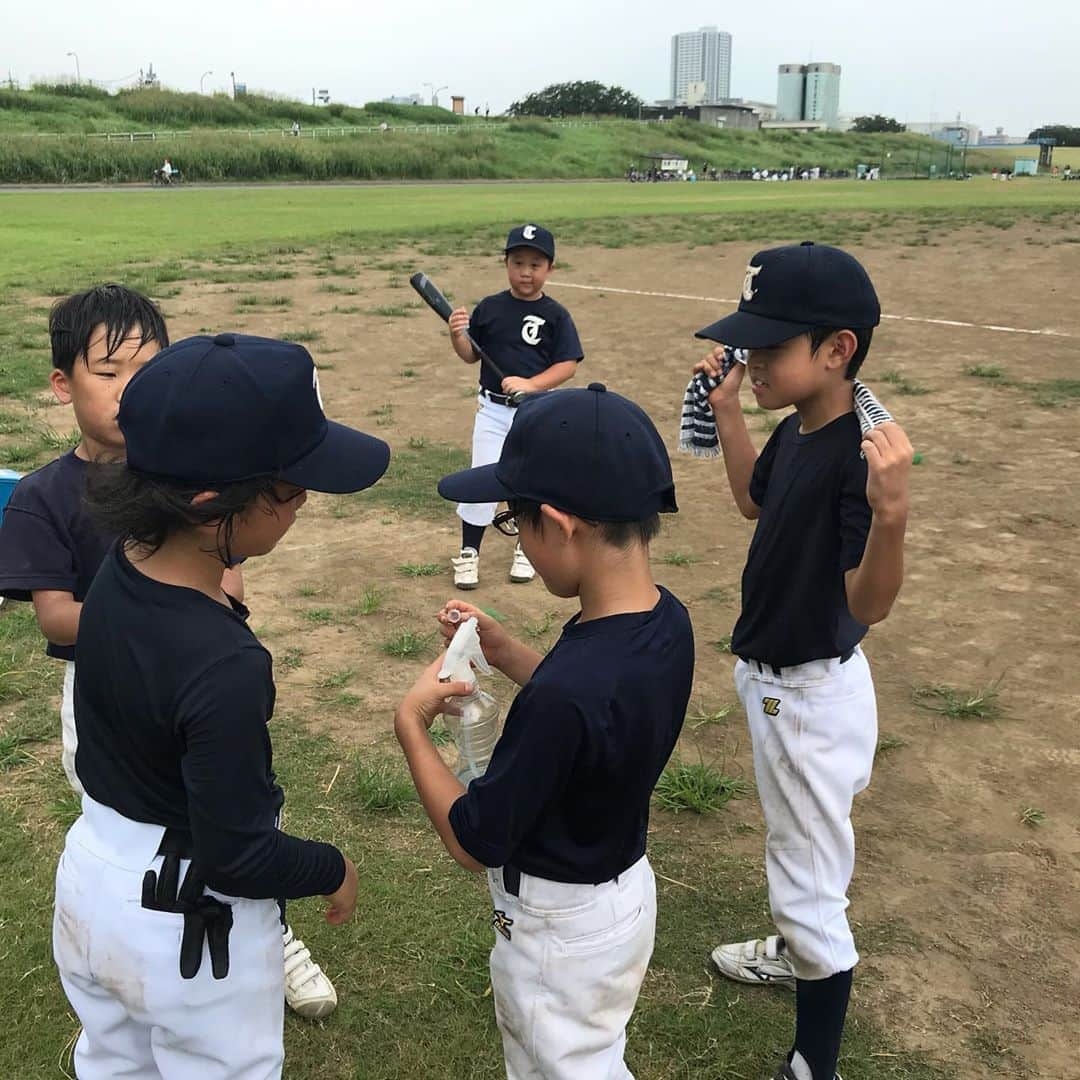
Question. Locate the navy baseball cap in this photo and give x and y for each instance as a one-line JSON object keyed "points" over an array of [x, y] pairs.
{"points": [[790, 290], [531, 236], [214, 410], [591, 453]]}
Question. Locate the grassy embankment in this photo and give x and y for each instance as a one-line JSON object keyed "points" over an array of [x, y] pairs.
{"points": [[219, 146]]}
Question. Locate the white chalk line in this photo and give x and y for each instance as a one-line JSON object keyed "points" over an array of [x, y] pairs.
{"points": [[896, 318]]}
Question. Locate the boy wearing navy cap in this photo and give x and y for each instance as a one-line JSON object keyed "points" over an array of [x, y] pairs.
{"points": [[50, 548], [167, 933], [559, 820], [533, 340], [826, 561]]}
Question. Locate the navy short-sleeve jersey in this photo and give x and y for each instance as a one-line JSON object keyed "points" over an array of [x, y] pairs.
{"points": [[812, 529], [47, 540], [524, 337], [566, 794], [173, 694]]}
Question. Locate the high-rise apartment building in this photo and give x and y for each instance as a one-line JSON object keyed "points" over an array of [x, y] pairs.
{"points": [[701, 56], [808, 92]]}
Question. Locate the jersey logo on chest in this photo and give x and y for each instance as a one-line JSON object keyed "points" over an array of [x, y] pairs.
{"points": [[771, 706], [530, 329]]}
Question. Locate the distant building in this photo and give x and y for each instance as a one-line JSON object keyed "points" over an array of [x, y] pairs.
{"points": [[701, 56], [822, 93], [808, 92], [762, 109], [790, 92], [957, 132], [999, 138], [412, 99], [727, 116]]}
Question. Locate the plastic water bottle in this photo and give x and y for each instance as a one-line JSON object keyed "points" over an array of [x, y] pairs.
{"points": [[476, 730]]}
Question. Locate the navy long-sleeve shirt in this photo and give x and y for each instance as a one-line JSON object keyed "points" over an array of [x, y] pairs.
{"points": [[173, 694]]}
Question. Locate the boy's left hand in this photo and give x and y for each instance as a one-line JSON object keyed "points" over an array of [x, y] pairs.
{"points": [[889, 455], [427, 698], [515, 384]]}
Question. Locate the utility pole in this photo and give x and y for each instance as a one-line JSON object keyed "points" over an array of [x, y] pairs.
{"points": [[201, 77], [78, 74], [232, 75]]}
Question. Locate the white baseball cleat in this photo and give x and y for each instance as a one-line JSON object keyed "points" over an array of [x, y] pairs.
{"points": [[307, 989], [521, 570], [762, 962], [466, 569]]}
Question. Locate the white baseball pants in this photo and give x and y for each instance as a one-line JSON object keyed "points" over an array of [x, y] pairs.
{"points": [[567, 978], [813, 728], [119, 965], [489, 433], [68, 739]]}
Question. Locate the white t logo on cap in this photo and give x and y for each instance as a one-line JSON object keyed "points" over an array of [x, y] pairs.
{"points": [[315, 386], [748, 290], [530, 329], [529, 232]]}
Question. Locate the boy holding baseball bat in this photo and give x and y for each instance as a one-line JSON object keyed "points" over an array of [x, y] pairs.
{"points": [[534, 342]]}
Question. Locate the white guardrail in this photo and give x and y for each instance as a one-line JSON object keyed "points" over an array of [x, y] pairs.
{"points": [[314, 133]]}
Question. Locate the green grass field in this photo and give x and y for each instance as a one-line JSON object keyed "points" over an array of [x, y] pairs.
{"points": [[77, 234]]}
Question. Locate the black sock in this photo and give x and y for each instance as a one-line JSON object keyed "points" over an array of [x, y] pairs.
{"points": [[820, 1008], [472, 536]]}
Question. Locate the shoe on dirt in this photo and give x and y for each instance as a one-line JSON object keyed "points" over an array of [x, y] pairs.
{"points": [[466, 569]]}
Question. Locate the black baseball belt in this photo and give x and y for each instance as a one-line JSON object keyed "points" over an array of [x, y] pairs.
{"points": [[206, 918], [498, 399], [763, 668]]}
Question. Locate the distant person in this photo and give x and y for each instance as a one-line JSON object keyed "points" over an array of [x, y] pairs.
{"points": [[167, 171], [487, 112], [296, 128]]}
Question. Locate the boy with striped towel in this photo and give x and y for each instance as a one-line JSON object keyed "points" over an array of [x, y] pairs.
{"points": [[829, 492]]}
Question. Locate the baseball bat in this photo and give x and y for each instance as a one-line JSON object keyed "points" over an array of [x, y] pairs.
{"points": [[432, 295]]}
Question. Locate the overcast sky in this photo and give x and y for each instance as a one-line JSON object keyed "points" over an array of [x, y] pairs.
{"points": [[999, 63]]}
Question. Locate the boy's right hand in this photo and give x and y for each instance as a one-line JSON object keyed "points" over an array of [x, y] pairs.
{"points": [[728, 390], [342, 903], [493, 636], [459, 321]]}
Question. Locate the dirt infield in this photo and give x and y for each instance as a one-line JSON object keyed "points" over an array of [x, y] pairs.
{"points": [[974, 912]]}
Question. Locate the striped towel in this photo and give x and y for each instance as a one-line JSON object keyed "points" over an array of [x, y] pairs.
{"points": [[697, 429]]}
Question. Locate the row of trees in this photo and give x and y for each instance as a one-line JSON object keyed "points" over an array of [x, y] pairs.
{"points": [[868, 125], [576, 98], [1065, 135]]}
